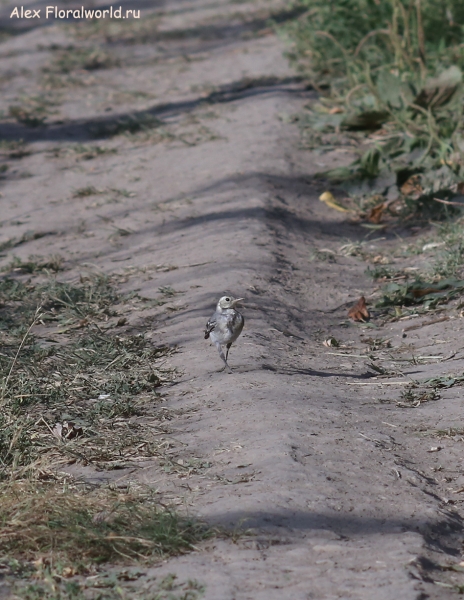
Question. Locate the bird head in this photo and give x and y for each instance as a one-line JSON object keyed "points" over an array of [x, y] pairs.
{"points": [[228, 302]]}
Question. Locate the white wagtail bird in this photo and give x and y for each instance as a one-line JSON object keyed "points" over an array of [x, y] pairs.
{"points": [[225, 326]]}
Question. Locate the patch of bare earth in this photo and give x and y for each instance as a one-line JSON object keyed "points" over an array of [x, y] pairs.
{"points": [[163, 159]]}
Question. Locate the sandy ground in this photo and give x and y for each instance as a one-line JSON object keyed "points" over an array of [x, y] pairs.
{"points": [[307, 448]]}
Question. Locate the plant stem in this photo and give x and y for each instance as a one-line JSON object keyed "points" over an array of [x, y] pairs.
{"points": [[37, 317]]}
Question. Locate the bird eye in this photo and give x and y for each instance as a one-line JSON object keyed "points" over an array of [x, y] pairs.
{"points": [[227, 299]]}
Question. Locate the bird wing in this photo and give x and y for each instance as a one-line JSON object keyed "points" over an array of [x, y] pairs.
{"points": [[235, 323], [210, 325]]}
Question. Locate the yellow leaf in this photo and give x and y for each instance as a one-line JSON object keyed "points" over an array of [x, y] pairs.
{"points": [[327, 198]]}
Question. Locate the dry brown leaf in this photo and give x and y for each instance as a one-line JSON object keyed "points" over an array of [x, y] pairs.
{"points": [[336, 110], [376, 213], [424, 292], [412, 186], [379, 259], [359, 311]]}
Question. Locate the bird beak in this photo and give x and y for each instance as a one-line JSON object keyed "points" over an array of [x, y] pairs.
{"points": [[237, 300]]}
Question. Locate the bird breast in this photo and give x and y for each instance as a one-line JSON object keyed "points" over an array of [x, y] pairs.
{"points": [[229, 325]]}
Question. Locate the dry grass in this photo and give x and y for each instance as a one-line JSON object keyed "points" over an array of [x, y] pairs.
{"points": [[122, 32], [129, 125], [89, 190], [72, 59], [109, 587], [13, 149], [81, 152], [34, 264], [72, 391], [33, 111], [56, 538], [83, 400], [56, 525]]}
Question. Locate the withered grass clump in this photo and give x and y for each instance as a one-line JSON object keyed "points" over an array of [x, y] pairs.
{"points": [[81, 151], [141, 123], [32, 111], [71, 59], [90, 298], [13, 149], [33, 264], [109, 31], [56, 525]]}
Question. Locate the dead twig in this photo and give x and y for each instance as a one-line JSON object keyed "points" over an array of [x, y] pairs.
{"points": [[449, 202]]}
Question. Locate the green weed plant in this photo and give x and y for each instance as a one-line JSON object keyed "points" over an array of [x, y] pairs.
{"points": [[389, 71]]}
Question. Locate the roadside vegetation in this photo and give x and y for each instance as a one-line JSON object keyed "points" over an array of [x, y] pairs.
{"points": [[74, 390], [390, 81]]}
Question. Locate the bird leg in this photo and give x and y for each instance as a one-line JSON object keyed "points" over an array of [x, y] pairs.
{"points": [[228, 348], [221, 354]]}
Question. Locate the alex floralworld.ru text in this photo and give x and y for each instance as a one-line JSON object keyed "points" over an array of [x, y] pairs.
{"points": [[53, 12]]}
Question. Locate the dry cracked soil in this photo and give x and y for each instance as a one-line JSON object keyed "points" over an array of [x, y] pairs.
{"points": [[328, 486]]}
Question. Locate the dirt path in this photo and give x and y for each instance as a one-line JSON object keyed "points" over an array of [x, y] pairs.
{"points": [[302, 444]]}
